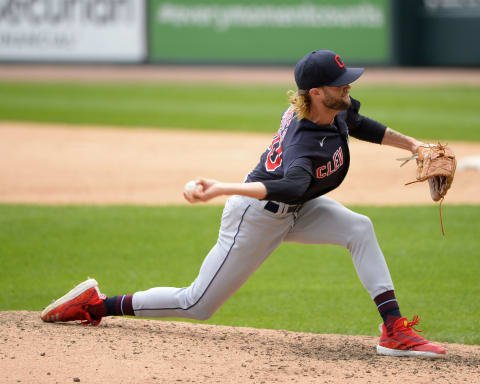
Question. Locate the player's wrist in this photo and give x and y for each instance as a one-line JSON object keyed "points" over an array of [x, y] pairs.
{"points": [[414, 146]]}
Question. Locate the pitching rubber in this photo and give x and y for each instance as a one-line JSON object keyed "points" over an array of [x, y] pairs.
{"points": [[398, 352], [78, 290]]}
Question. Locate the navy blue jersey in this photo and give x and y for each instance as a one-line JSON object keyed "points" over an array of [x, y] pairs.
{"points": [[321, 150]]}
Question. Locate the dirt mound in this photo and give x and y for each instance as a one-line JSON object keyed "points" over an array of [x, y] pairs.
{"points": [[123, 350]]}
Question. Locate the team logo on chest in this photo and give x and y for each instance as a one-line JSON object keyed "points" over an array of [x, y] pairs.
{"points": [[332, 166]]}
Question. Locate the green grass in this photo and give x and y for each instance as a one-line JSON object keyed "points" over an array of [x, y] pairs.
{"points": [[44, 251], [434, 113]]}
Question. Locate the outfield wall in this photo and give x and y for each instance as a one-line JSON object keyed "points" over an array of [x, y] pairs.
{"points": [[240, 32], [268, 31], [73, 30]]}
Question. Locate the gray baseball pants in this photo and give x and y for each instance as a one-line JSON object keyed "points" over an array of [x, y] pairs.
{"points": [[248, 235]]}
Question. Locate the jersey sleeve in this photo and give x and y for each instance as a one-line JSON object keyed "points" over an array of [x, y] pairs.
{"points": [[291, 187], [303, 162], [298, 156], [362, 127]]}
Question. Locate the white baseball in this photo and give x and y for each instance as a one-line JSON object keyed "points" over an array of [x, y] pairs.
{"points": [[190, 187]]}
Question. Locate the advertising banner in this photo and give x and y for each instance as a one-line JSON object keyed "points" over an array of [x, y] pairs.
{"points": [[72, 30], [268, 31]]}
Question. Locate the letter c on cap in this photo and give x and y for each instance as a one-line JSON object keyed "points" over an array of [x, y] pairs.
{"points": [[339, 61]]}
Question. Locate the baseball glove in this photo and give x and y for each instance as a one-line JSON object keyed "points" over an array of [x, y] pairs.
{"points": [[435, 163]]}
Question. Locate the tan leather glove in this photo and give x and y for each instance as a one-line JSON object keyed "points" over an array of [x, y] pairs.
{"points": [[436, 163]]}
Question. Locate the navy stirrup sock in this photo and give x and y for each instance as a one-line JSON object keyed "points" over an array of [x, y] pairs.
{"points": [[119, 305], [388, 307], [113, 306]]}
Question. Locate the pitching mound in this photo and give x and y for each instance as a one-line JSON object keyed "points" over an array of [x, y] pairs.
{"points": [[123, 350]]}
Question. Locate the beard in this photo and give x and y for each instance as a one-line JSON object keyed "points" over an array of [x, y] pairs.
{"points": [[336, 103]]}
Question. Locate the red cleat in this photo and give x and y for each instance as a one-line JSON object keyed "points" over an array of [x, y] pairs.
{"points": [[402, 341], [74, 305]]}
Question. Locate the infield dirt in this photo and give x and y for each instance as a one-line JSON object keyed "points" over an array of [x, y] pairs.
{"points": [[58, 164], [122, 350]]}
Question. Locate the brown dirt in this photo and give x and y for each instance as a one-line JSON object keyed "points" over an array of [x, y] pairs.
{"points": [[145, 351], [87, 165], [224, 74]]}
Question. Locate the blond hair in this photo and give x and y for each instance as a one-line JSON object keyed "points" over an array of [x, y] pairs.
{"points": [[301, 103]]}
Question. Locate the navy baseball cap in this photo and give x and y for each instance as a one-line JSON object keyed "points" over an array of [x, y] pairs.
{"points": [[324, 67]]}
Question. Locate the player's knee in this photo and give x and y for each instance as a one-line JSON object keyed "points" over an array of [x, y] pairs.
{"points": [[362, 228], [201, 313], [197, 305], [204, 316]]}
